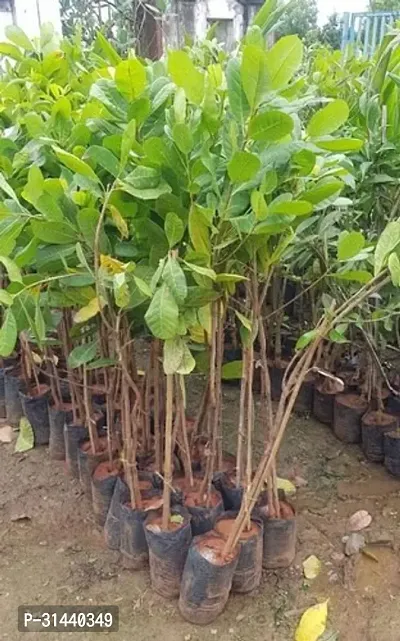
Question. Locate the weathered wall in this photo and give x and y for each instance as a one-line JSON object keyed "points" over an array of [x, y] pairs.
{"points": [[30, 14]]}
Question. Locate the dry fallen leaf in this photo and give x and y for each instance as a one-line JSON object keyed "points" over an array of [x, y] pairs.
{"points": [[6, 433], [311, 567], [20, 517], [359, 521], [312, 623]]}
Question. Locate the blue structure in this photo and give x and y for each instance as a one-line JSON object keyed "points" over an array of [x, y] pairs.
{"points": [[366, 30]]}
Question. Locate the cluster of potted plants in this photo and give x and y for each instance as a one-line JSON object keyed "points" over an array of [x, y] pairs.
{"points": [[167, 205]]}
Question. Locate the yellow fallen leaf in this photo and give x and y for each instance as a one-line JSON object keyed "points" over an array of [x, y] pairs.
{"points": [[312, 623], [286, 485], [311, 567]]}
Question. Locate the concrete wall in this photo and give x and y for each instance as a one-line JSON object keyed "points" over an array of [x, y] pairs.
{"points": [[30, 15]]}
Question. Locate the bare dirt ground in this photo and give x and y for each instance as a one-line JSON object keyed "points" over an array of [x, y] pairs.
{"points": [[57, 555]]}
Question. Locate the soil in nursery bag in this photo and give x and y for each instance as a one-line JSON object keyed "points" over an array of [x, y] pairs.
{"points": [[103, 480], [58, 417], [248, 571], [374, 425], [305, 398], [279, 537], [392, 452], [348, 410], [13, 385], [231, 494], [133, 543], [73, 434], [204, 507], [35, 405], [324, 398], [207, 579], [88, 461], [168, 550]]}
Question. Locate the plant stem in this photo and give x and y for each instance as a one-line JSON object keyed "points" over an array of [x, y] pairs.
{"points": [[168, 452]]}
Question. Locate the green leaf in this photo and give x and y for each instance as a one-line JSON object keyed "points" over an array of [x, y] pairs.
{"points": [[11, 51], [270, 126], [328, 119], [394, 268], [232, 370], [246, 322], [88, 311], [10, 228], [143, 287], [237, 98], [254, 74], [18, 37], [340, 145], [101, 362], [40, 325], [176, 518], [173, 355], [26, 439], [13, 271], [5, 298], [199, 232], [182, 137], [188, 363], [7, 189], [203, 271], [356, 275], [387, 242], [128, 139], [306, 339], [75, 164], [107, 49], [230, 278], [350, 244], [8, 334], [174, 276], [130, 78], [54, 233], [107, 93], [180, 105], [291, 207], [258, 205], [121, 290], [323, 191], [184, 74], [283, 60], [162, 316], [35, 185], [174, 229], [243, 166], [105, 158]]}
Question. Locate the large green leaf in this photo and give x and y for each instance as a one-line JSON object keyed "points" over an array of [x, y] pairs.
{"points": [[105, 158], [243, 166], [356, 275], [291, 207], [8, 334], [394, 268], [254, 74], [237, 98], [388, 241], [173, 355], [10, 229], [232, 370], [16, 35], [75, 164], [4, 186], [130, 78], [270, 126], [107, 49], [199, 231], [54, 233], [107, 93], [174, 276], [182, 137], [185, 75], [340, 145], [328, 119], [283, 60], [174, 229], [162, 316], [323, 191], [128, 139], [13, 271], [10, 50], [350, 244]]}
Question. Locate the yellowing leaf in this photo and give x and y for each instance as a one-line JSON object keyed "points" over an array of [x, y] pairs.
{"points": [[25, 440], [286, 485], [111, 265], [119, 222], [312, 623], [87, 312], [311, 567]]}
